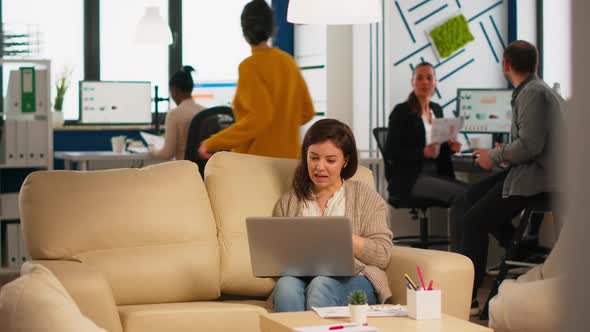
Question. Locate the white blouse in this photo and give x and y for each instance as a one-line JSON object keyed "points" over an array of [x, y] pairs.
{"points": [[428, 130], [335, 206]]}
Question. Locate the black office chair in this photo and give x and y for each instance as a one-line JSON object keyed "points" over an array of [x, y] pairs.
{"points": [[537, 207], [204, 124], [418, 207]]}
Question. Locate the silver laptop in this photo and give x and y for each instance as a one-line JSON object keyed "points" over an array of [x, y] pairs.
{"points": [[300, 246]]}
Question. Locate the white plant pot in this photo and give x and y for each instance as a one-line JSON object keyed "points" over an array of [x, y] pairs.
{"points": [[358, 313], [58, 119]]}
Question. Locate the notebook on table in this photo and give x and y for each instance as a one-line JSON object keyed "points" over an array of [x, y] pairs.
{"points": [[300, 246]]}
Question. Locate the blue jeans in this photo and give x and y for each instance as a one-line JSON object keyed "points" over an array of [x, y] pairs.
{"points": [[302, 293]]}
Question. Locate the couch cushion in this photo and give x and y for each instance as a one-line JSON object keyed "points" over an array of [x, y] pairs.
{"points": [[541, 311], [150, 231], [242, 186], [37, 301], [192, 316]]}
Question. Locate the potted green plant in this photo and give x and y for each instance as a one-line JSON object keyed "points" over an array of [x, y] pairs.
{"points": [[61, 86], [358, 306]]}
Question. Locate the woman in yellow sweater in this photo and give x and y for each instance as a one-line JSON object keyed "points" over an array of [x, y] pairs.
{"points": [[271, 101]]}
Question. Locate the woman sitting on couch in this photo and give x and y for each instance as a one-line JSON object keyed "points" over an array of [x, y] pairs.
{"points": [[321, 188]]}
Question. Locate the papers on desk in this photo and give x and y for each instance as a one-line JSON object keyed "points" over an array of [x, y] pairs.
{"points": [[383, 310], [336, 327], [138, 149], [151, 139], [444, 129]]}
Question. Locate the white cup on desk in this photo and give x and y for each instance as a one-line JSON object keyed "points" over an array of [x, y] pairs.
{"points": [[118, 143]]}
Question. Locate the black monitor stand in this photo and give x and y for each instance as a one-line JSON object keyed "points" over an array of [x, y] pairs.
{"points": [[157, 99]]}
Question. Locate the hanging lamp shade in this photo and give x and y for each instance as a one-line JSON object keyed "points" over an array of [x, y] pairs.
{"points": [[152, 29], [334, 11]]}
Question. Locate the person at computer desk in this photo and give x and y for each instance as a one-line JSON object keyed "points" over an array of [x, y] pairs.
{"points": [[530, 158], [271, 102], [178, 119], [321, 187], [420, 168]]}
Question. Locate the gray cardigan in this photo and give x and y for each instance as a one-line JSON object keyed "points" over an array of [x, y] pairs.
{"points": [[535, 148], [368, 213]]}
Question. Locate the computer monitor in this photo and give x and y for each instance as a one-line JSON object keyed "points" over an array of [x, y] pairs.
{"points": [[486, 111], [110, 102]]}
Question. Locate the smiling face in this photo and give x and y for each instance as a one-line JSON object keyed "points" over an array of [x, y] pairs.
{"points": [[424, 81], [325, 161]]}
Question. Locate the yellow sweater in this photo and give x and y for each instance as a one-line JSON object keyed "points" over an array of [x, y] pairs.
{"points": [[271, 103]]}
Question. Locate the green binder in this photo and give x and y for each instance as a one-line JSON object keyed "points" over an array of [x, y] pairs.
{"points": [[27, 88]]}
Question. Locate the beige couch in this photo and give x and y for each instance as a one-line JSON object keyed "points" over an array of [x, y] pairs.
{"points": [[153, 249], [534, 301]]}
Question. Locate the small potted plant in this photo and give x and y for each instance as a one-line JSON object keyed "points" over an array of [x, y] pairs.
{"points": [[61, 86], [358, 306]]}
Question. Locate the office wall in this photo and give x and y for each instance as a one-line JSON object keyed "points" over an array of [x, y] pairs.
{"points": [[526, 27], [576, 255], [385, 53]]}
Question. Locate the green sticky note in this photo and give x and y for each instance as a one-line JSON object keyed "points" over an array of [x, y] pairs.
{"points": [[451, 35]]}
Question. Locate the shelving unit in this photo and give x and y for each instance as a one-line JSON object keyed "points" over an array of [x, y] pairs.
{"points": [[26, 144]]}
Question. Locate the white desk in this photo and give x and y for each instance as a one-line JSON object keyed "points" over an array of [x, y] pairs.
{"points": [[83, 157]]}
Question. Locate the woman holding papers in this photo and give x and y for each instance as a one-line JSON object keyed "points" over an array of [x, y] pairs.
{"points": [[271, 102], [417, 167], [178, 119], [321, 187]]}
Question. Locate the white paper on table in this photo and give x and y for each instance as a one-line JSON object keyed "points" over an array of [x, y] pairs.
{"points": [[381, 310], [151, 139], [444, 129]]}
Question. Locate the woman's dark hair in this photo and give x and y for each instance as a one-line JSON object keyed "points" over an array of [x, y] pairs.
{"points": [[182, 79], [321, 131], [412, 99], [257, 22]]}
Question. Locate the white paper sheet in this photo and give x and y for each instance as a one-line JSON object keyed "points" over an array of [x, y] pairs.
{"points": [[444, 129], [151, 139], [383, 310]]}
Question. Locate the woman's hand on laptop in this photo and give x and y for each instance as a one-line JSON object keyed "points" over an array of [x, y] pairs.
{"points": [[357, 245]]}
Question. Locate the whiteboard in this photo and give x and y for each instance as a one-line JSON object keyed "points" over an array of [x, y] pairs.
{"points": [[106, 102], [485, 110]]}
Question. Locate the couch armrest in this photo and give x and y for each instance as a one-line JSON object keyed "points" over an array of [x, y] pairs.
{"points": [[89, 289], [452, 273]]}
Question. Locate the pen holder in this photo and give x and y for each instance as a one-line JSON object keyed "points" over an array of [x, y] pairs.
{"points": [[424, 304]]}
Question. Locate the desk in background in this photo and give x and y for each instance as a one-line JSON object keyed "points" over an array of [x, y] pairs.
{"points": [[82, 158], [90, 138]]}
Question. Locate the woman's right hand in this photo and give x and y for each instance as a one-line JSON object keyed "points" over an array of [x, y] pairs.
{"points": [[430, 150]]}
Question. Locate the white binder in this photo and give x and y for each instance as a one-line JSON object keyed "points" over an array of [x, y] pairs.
{"points": [[8, 146], [41, 95], [12, 103], [37, 142], [21, 142], [23, 252], [12, 237]]}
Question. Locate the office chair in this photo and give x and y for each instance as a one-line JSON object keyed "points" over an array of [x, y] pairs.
{"points": [[539, 205], [418, 206], [206, 123]]}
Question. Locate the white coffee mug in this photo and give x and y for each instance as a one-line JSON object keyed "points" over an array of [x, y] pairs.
{"points": [[118, 143]]}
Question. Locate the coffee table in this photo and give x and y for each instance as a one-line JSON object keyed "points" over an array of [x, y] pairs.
{"points": [[285, 322]]}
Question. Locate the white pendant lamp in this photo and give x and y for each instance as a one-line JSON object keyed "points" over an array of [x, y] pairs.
{"points": [[334, 11], [152, 29]]}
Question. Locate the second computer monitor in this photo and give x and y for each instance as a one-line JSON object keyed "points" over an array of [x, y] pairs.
{"points": [[109, 102], [485, 111]]}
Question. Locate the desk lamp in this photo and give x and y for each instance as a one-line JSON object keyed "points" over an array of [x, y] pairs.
{"points": [[152, 29]]}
